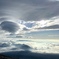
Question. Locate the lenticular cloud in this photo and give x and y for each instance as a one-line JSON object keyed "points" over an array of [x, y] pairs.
{"points": [[9, 26]]}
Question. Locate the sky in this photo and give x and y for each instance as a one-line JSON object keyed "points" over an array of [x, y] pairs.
{"points": [[28, 19], [22, 17]]}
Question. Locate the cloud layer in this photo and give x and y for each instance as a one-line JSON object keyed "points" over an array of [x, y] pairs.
{"points": [[37, 46], [29, 9], [28, 16]]}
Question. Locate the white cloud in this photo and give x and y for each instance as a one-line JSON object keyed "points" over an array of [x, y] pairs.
{"points": [[30, 14], [33, 26], [38, 45]]}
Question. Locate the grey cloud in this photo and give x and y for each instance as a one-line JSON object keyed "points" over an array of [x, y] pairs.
{"points": [[26, 47], [22, 46], [3, 19], [50, 27], [43, 10], [19, 36], [9, 26], [29, 9], [14, 48], [25, 29], [4, 45], [14, 36]]}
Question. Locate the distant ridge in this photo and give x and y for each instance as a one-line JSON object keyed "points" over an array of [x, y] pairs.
{"points": [[4, 57], [29, 55]]}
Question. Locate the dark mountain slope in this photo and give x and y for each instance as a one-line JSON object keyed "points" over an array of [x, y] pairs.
{"points": [[30, 55]]}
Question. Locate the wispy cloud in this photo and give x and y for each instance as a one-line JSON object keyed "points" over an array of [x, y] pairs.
{"points": [[19, 17]]}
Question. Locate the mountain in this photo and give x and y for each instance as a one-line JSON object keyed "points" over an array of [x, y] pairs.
{"points": [[30, 55], [4, 57]]}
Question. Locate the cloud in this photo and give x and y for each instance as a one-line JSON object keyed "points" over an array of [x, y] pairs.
{"points": [[3, 19], [38, 46], [50, 27], [43, 25], [22, 46], [14, 36], [26, 29], [25, 47], [9, 26], [14, 13], [53, 0], [29, 9], [2, 45]]}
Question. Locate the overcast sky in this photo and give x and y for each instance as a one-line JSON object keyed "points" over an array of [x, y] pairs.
{"points": [[29, 19], [29, 25]]}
